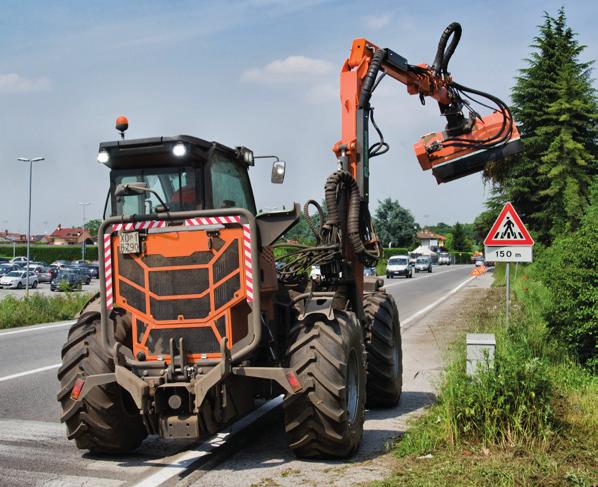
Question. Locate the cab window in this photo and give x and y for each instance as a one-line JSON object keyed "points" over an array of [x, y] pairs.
{"points": [[230, 184]]}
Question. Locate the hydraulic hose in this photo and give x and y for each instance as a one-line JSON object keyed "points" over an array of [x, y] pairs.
{"points": [[443, 55], [370, 79]]}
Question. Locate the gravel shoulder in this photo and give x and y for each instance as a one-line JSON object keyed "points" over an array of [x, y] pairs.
{"points": [[266, 461]]}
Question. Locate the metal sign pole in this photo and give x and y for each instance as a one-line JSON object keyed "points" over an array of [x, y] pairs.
{"points": [[508, 278]]}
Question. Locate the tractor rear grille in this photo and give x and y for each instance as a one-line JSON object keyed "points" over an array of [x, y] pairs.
{"points": [[184, 286]]}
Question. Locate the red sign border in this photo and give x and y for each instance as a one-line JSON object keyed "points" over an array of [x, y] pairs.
{"points": [[527, 241]]}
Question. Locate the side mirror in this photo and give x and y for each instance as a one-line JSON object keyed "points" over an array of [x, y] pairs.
{"points": [[278, 170], [131, 189]]}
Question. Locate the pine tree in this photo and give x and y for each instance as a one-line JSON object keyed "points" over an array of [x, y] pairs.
{"points": [[567, 163], [394, 224], [526, 179], [459, 240]]}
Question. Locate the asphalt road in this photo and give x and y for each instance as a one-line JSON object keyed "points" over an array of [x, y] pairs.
{"points": [[33, 446]]}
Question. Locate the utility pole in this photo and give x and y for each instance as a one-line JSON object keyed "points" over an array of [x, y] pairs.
{"points": [[30, 161], [83, 205]]}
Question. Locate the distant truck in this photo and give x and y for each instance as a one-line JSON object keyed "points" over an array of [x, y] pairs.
{"points": [[444, 258]]}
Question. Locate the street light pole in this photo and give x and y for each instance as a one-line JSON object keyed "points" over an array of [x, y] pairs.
{"points": [[83, 205], [30, 161]]}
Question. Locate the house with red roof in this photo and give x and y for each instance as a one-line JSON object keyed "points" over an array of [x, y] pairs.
{"points": [[69, 236]]}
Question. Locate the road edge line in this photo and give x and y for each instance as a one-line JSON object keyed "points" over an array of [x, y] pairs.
{"points": [[31, 328], [423, 311], [29, 372]]}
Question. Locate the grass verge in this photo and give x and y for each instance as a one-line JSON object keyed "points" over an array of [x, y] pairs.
{"points": [[530, 420], [38, 308]]}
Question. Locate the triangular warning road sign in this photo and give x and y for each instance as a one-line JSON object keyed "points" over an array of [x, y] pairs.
{"points": [[508, 229]]}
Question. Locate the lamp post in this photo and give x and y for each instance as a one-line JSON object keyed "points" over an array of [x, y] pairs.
{"points": [[30, 161], [83, 205]]}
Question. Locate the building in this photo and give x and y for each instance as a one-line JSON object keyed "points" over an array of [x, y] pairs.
{"points": [[69, 236], [431, 240], [18, 238]]}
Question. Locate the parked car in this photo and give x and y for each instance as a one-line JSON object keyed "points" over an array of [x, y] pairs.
{"points": [[423, 264], [44, 275], [6, 268], [84, 272], [67, 280], [20, 261], [369, 271], [94, 267], [18, 280], [444, 259], [398, 265]]}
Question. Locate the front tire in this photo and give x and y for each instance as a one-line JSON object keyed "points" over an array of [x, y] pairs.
{"points": [[325, 419], [384, 353], [106, 420]]}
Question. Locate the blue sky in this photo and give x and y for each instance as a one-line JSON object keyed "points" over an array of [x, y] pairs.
{"points": [[259, 73]]}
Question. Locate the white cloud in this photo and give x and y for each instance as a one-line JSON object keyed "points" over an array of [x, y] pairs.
{"points": [[322, 93], [290, 68], [377, 21], [14, 83]]}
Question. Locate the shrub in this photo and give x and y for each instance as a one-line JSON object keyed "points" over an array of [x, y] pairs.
{"points": [[38, 308], [568, 270]]}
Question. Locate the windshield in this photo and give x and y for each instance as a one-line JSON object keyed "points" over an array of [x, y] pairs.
{"points": [[176, 187], [401, 261], [15, 274], [422, 260], [230, 184]]}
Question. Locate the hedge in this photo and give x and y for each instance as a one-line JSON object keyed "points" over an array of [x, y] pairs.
{"points": [[50, 253], [461, 257]]}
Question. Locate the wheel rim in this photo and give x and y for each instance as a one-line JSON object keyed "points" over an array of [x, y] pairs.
{"points": [[352, 387]]}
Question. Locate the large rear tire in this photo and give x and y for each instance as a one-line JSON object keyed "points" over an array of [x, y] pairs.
{"points": [[325, 419], [106, 420], [384, 353]]}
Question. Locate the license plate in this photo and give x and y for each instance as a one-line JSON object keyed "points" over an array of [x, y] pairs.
{"points": [[129, 243]]}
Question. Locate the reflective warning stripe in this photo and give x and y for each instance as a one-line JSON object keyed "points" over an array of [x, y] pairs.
{"points": [[108, 269], [248, 262], [213, 220], [138, 225]]}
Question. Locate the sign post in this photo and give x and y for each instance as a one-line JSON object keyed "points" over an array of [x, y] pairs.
{"points": [[508, 241]]}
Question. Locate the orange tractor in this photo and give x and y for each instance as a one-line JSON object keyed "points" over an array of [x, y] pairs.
{"points": [[195, 325]]}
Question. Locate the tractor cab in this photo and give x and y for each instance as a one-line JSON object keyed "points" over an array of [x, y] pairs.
{"points": [[181, 173]]}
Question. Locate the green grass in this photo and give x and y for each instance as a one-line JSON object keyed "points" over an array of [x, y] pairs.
{"points": [[38, 308], [531, 420]]}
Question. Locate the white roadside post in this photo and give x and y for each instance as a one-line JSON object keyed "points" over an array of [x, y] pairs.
{"points": [[508, 241]]}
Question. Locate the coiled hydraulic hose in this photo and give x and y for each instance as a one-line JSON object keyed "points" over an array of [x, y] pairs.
{"points": [[443, 55]]}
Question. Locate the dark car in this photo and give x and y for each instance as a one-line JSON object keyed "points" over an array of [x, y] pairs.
{"points": [[369, 271], [83, 271], [94, 268], [67, 280], [6, 268]]}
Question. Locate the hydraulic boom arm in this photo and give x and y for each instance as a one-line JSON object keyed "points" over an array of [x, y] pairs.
{"points": [[465, 145]]}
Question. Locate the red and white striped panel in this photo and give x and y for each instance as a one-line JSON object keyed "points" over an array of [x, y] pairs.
{"points": [[138, 225], [213, 220], [108, 269], [248, 262]]}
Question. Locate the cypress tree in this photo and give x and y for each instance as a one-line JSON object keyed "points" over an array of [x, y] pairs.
{"points": [[542, 108]]}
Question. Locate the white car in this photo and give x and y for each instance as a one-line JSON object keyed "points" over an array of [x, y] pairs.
{"points": [[315, 272], [444, 259], [398, 265], [19, 260], [18, 280]]}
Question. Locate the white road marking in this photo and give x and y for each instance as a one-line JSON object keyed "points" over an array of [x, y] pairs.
{"points": [[29, 372], [35, 328], [422, 311], [181, 462], [432, 274]]}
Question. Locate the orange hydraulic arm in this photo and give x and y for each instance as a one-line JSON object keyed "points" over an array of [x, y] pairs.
{"points": [[462, 136], [465, 145]]}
